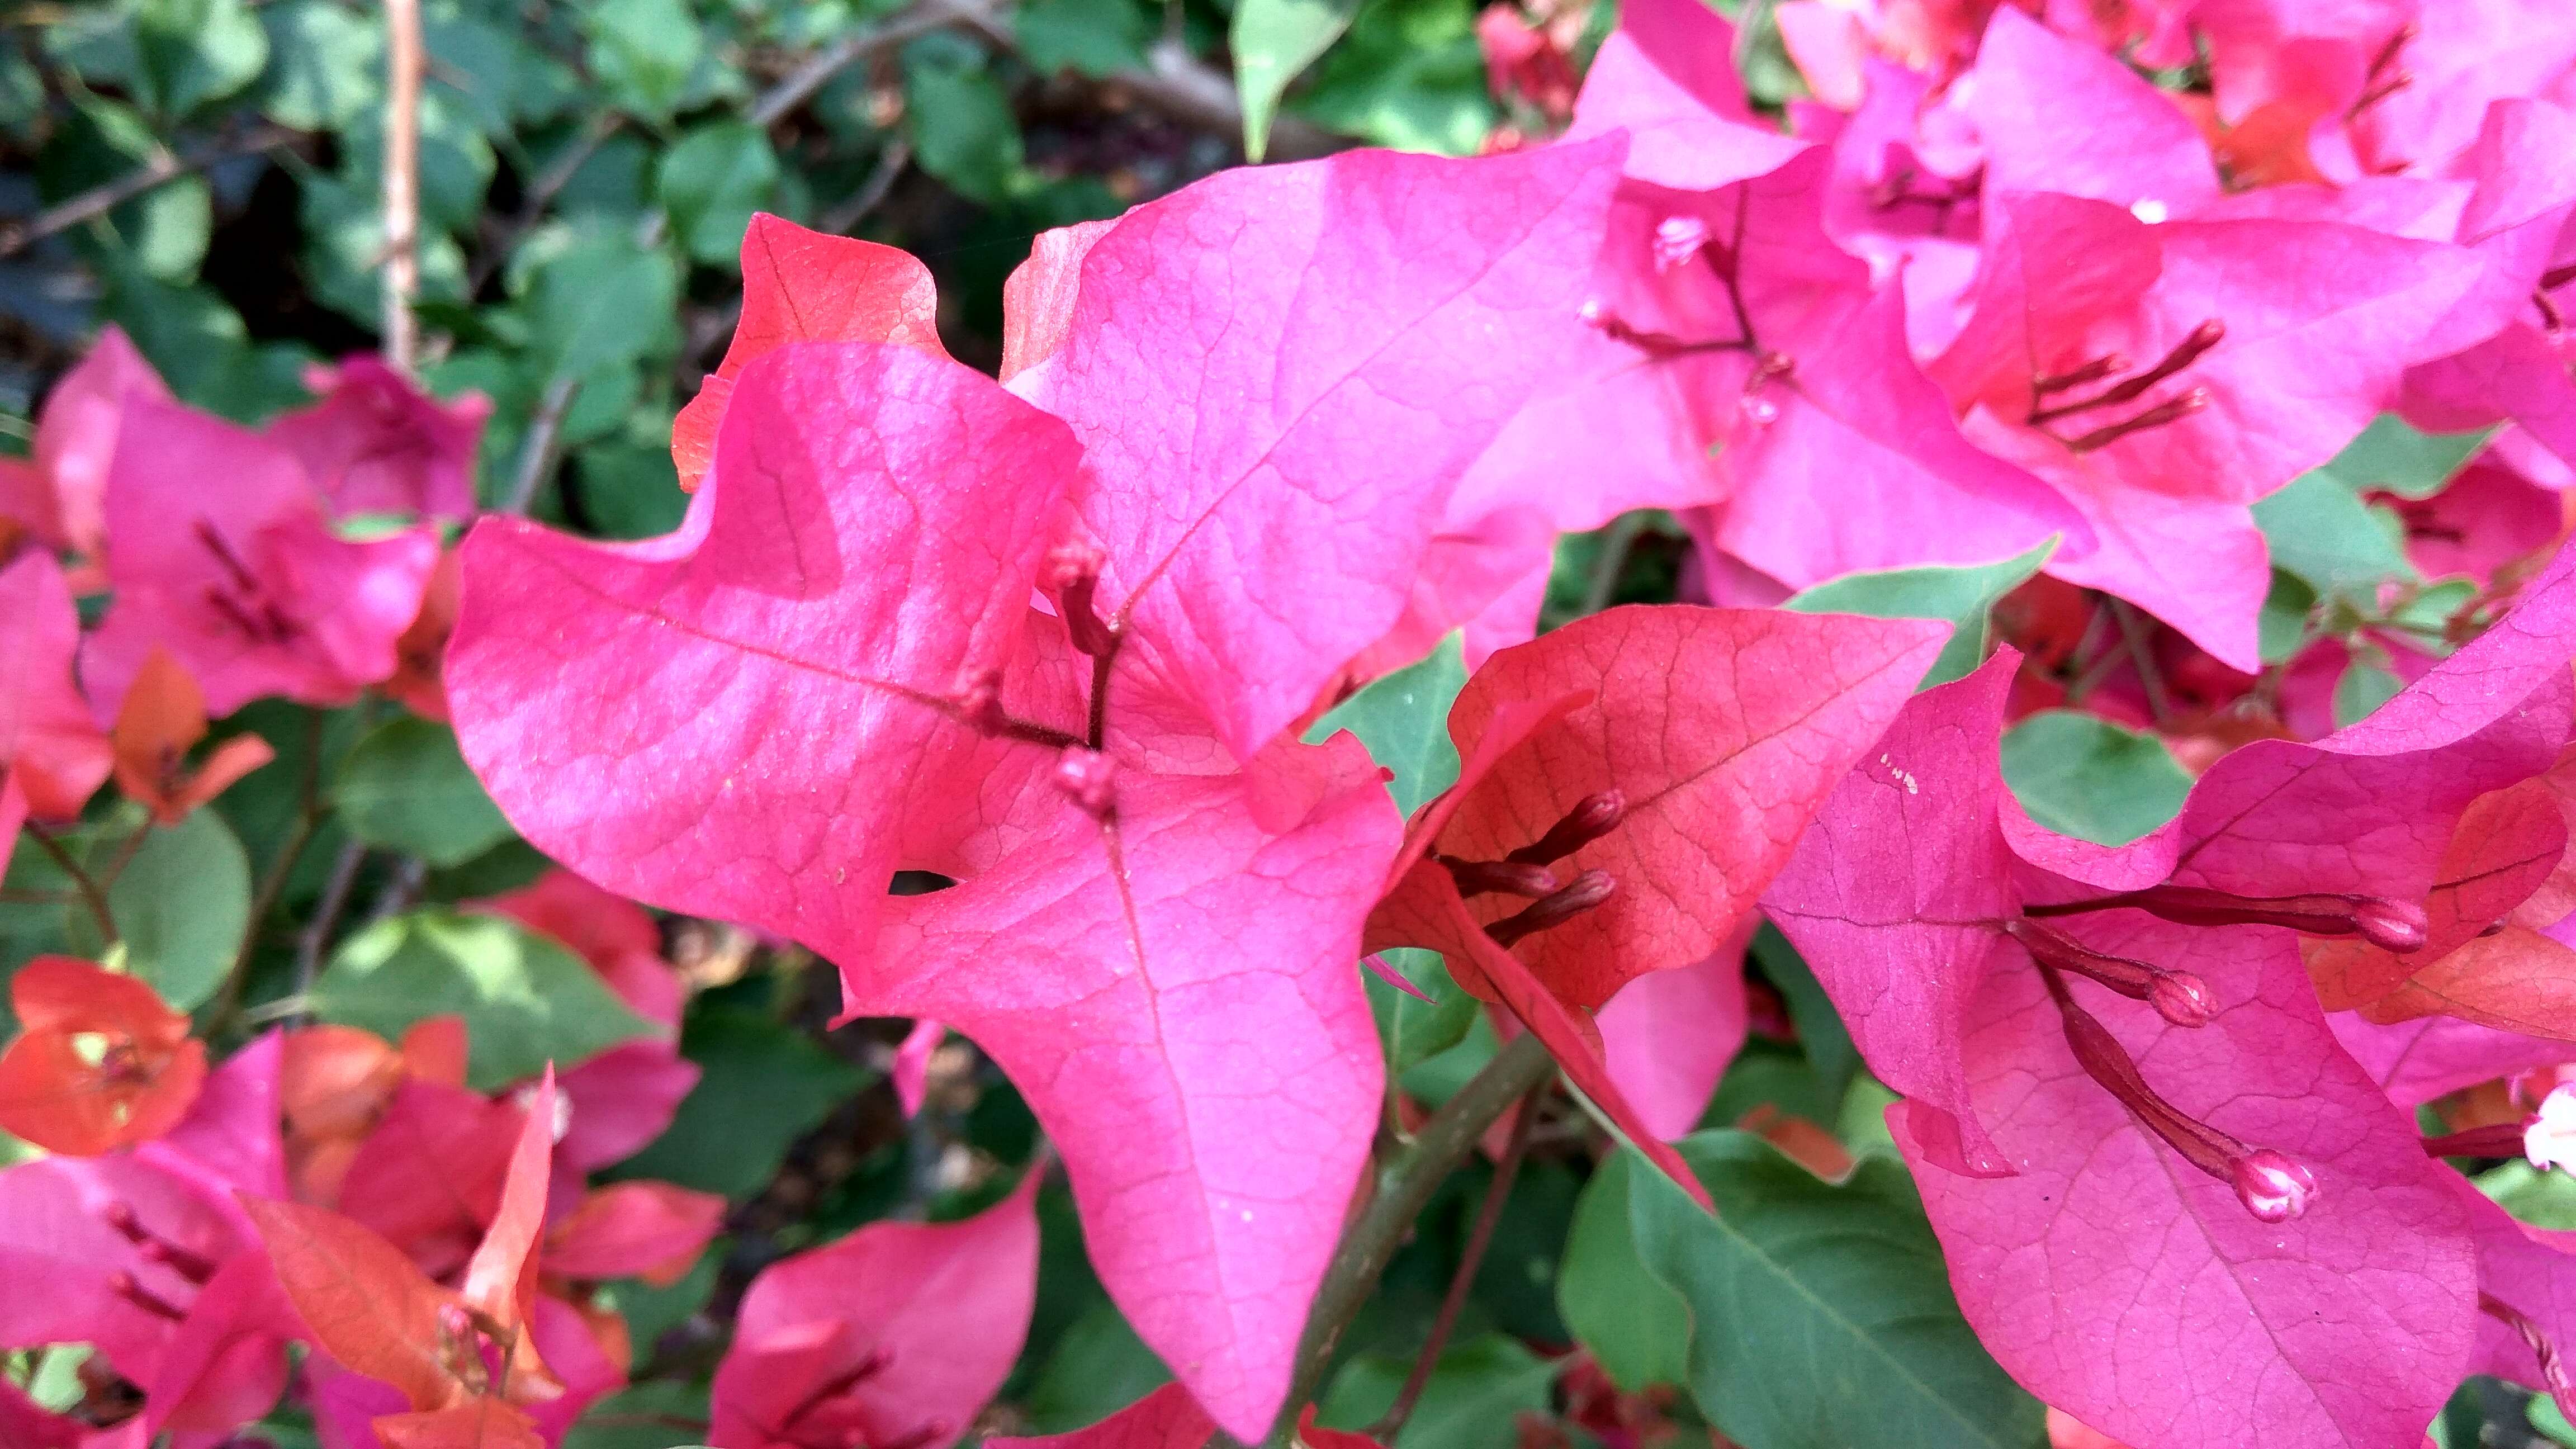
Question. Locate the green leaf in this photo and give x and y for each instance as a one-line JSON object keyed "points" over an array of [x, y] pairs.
{"points": [[763, 1087], [1821, 1033], [181, 905], [960, 120], [1636, 1327], [1273, 41], [2363, 687], [404, 787], [1963, 596], [2392, 456], [1412, 1030], [2089, 778], [526, 1000], [1403, 719], [711, 183], [171, 55], [1098, 1367], [640, 1417], [2322, 534], [164, 231], [1821, 1315], [326, 65], [2537, 1196], [1099, 38], [1474, 1399], [2282, 628], [646, 54], [584, 305], [1410, 75], [652, 1311]]}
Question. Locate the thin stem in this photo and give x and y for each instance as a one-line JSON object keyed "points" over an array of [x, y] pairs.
{"points": [[326, 917], [1404, 1187], [799, 85], [537, 452], [1480, 1237], [82, 880], [2142, 656], [404, 61], [166, 167]]}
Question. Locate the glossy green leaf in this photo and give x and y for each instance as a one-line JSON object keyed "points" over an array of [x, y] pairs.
{"points": [[2087, 777], [1273, 42], [2363, 687], [326, 64], [526, 1000], [1403, 718], [960, 119], [1413, 1030], [1821, 1315], [641, 1417], [645, 54], [1099, 1366], [1474, 1399], [1965, 597], [584, 303], [404, 787], [181, 903], [2392, 456], [1099, 38], [711, 182], [1409, 75], [1821, 1033], [764, 1086], [2324, 535], [2282, 628], [1637, 1328]]}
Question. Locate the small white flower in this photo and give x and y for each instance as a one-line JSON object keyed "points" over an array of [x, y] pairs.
{"points": [[1677, 240], [2550, 1139], [2149, 210]]}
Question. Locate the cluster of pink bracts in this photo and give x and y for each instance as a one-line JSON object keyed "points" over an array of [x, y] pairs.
{"points": [[1058, 637]]}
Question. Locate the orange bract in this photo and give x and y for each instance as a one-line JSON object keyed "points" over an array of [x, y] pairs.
{"points": [[163, 717], [101, 1062]]}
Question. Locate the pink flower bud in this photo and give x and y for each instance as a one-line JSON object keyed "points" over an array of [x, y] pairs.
{"points": [[1090, 778], [2273, 1186], [2182, 998], [2392, 925]]}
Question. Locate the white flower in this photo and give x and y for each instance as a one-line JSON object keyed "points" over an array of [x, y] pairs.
{"points": [[2550, 1139]]}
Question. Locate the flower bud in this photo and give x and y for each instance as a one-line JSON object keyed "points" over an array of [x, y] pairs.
{"points": [[2182, 998], [2273, 1186]]}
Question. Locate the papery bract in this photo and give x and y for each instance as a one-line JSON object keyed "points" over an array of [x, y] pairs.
{"points": [[375, 443], [898, 1333], [2119, 1284], [162, 718], [58, 496], [847, 607], [1719, 729], [806, 286], [245, 585], [647, 1230], [52, 754], [99, 1062]]}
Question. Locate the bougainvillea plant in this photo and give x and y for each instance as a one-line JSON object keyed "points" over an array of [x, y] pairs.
{"points": [[1867, 737]]}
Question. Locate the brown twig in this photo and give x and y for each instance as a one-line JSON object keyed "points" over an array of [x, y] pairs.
{"points": [[1480, 1237], [403, 64], [166, 167], [82, 880], [1404, 1188], [2142, 657], [799, 85], [316, 936], [537, 452], [540, 194]]}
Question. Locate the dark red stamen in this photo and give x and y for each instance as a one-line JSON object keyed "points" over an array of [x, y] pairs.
{"points": [[2202, 338], [1090, 779], [1583, 893], [243, 579], [2557, 277], [2109, 364], [979, 708], [153, 1248], [1499, 877], [1659, 344], [123, 1285], [2500, 1139], [1072, 578], [2553, 1369], [2178, 996], [2271, 1185], [1592, 817], [2171, 410], [838, 1386], [2390, 925]]}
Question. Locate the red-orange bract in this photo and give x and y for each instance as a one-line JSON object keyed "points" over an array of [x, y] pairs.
{"points": [[100, 1061]]}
